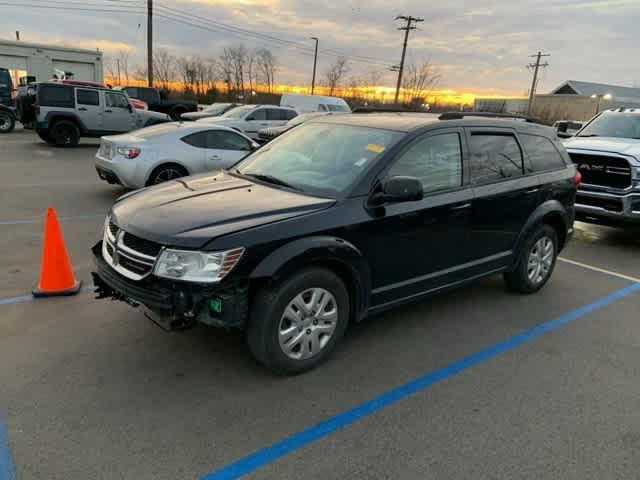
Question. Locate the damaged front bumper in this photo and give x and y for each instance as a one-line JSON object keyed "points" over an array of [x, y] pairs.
{"points": [[174, 305]]}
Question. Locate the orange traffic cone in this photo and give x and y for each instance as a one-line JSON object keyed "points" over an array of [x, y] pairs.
{"points": [[56, 276]]}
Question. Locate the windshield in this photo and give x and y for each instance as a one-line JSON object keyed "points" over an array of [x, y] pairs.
{"points": [[156, 130], [319, 158], [610, 124], [303, 118], [237, 112], [219, 108], [338, 108]]}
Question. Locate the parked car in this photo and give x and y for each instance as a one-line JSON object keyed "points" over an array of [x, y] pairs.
{"points": [[340, 218], [165, 152], [314, 103], [62, 113], [567, 128], [251, 118], [7, 119], [147, 118], [214, 110], [158, 102], [269, 133], [7, 92], [607, 154]]}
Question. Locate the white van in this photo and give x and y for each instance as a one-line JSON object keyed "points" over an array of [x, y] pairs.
{"points": [[314, 103]]}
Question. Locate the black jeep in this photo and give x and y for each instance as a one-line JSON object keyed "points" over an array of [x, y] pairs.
{"points": [[339, 218]]}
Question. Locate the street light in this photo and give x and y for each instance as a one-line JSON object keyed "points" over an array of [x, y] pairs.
{"points": [[315, 61], [600, 97]]}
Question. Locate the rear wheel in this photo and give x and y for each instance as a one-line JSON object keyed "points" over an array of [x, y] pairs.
{"points": [[164, 173], [295, 324], [7, 122], [536, 261], [65, 133], [176, 112]]}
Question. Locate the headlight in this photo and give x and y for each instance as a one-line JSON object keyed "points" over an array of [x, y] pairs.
{"points": [[191, 266]]}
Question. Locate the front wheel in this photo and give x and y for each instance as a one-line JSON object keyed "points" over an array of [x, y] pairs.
{"points": [[7, 122], [536, 261], [295, 324]]}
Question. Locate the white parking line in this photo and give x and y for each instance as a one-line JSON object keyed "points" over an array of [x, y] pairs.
{"points": [[601, 270]]}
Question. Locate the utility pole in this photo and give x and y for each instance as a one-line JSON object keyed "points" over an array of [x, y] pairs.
{"points": [[315, 62], [150, 42], [411, 21], [534, 83], [18, 35]]}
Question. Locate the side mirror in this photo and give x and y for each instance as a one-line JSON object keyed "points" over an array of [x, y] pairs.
{"points": [[397, 190], [253, 146]]}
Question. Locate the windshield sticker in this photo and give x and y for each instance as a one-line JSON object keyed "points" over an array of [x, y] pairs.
{"points": [[375, 148]]}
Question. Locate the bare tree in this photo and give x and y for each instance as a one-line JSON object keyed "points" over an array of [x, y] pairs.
{"points": [[189, 70], [335, 73], [109, 65], [419, 79], [122, 65], [265, 67], [163, 67]]}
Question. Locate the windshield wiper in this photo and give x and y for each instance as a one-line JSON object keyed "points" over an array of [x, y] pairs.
{"points": [[589, 135], [270, 179]]}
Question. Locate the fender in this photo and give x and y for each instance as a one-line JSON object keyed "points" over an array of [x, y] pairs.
{"points": [[323, 250], [9, 110], [51, 116], [550, 207]]}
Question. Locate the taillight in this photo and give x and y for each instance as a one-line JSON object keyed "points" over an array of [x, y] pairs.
{"points": [[14, 95], [129, 152], [577, 178], [36, 109]]}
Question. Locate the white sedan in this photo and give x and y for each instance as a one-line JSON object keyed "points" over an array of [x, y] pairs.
{"points": [[164, 152]]}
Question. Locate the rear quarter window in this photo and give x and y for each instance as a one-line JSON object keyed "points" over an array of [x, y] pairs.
{"points": [[542, 154], [56, 96]]}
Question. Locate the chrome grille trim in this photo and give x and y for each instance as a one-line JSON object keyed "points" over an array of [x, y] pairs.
{"points": [[115, 243]]}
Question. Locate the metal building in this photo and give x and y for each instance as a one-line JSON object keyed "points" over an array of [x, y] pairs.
{"points": [[41, 61]]}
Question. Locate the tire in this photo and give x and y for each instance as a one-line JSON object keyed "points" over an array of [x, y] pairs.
{"points": [[44, 134], [65, 134], [7, 122], [164, 173], [272, 316], [536, 261], [176, 112]]}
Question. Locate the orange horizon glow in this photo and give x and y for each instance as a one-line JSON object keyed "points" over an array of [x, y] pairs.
{"points": [[383, 94]]}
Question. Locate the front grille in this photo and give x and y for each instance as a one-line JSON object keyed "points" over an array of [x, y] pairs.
{"points": [[127, 254], [610, 204], [141, 245], [602, 170]]}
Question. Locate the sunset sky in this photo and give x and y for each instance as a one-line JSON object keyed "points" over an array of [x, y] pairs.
{"points": [[480, 47]]}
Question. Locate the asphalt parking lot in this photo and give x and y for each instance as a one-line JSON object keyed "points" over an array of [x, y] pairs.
{"points": [[475, 383]]}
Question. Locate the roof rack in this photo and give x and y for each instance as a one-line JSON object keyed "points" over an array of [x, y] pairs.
{"points": [[461, 115]]}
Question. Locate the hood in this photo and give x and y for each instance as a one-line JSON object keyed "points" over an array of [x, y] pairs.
{"points": [[622, 146], [198, 115], [192, 211]]}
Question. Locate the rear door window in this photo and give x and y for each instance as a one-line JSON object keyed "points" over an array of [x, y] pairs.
{"points": [[87, 97], [198, 140], [222, 140], [495, 156], [542, 154], [60, 96]]}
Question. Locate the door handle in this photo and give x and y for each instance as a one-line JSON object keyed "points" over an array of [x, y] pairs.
{"points": [[215, 157], [532, 190], [108, 111], [82, 109], [462, 207]]}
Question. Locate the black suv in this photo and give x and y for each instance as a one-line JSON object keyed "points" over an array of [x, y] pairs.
{"points": [[339, 218]]}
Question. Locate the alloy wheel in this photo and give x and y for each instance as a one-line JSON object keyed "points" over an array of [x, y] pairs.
{"points": [[307, 324], [540, 260], [167, 174]]}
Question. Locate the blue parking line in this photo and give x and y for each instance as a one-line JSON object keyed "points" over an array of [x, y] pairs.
{"points": [[7, 469], [298, 440], [29, 298], [63, 218]]}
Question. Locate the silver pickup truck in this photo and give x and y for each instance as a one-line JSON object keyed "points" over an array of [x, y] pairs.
{"points": [[607, 154]]}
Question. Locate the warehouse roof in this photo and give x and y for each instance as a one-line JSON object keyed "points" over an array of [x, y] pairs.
{"points": [[576, 87]]}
